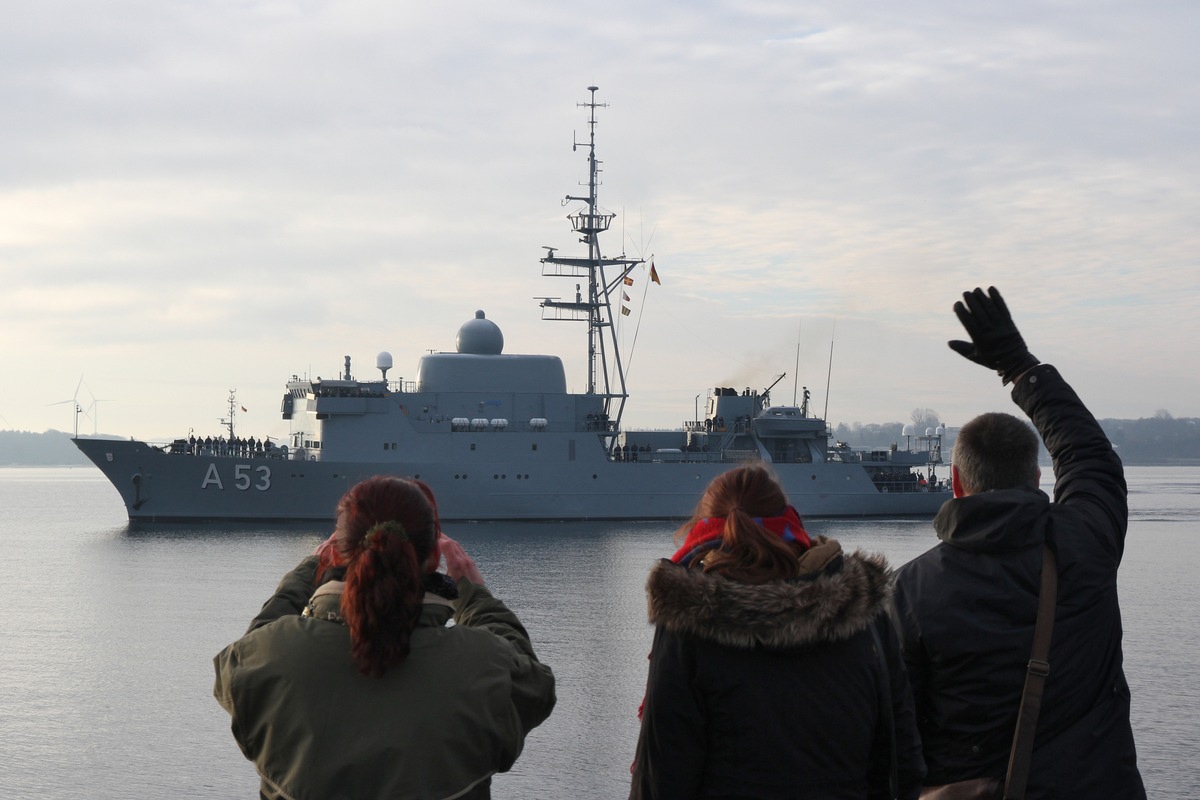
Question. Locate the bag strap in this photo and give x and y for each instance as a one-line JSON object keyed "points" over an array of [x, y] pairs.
{"points": [[1035, 680], [887, 716]]}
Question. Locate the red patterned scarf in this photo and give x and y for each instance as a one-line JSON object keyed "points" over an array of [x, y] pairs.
{"points": [[707, 533]]}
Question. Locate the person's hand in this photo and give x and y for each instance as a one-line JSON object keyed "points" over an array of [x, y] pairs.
{"points": [[995, 341], [327, 550], [458, 563]]}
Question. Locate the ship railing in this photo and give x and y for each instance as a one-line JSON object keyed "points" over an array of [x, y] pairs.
{"points": [[682, 456], [907, 486], [225, 450], [727, 439], [564, 312]]}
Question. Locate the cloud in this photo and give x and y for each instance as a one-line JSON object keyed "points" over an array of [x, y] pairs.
{"points": [[215, 194]]}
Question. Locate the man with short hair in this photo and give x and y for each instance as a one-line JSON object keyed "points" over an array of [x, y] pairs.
{"points": [[965, 610]]}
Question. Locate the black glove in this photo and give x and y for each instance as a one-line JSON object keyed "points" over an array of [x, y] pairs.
{"points": [[995, 340]]}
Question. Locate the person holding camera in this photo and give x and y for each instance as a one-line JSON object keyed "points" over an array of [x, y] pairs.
{"points": [[965, 610], [349, 682]]}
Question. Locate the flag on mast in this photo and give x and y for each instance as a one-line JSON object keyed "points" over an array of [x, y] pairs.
{"points": [[628, 281], [654, 274], [625, 311]]}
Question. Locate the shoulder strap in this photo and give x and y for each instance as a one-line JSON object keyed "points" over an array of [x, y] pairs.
{"points": [[1035, 680], [886, 715]]}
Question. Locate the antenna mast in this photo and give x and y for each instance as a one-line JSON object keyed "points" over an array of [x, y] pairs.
{"points": [[606, 375], [229, 421], [796, 373], [829, 374]]}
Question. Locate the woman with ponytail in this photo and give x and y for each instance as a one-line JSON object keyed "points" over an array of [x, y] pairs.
{"points": [[349, 682], [774, 671]]}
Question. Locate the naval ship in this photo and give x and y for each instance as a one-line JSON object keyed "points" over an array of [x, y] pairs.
{"points": [[499, 437]]}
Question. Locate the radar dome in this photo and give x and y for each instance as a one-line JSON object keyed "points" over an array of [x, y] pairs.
{"points": [[383, 362], [480, 337]]}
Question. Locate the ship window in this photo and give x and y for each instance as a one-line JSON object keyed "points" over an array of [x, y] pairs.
{"points": [[535, 445], [472, 445], [385, 445]]}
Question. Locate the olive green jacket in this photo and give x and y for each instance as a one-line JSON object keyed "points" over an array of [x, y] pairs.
{"points": [[438, 726]]}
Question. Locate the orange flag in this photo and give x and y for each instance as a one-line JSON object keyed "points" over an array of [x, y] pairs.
{"points": [[654, 274]]}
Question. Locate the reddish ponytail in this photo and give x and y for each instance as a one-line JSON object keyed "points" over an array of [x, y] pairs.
{"points": [[385, 533]]}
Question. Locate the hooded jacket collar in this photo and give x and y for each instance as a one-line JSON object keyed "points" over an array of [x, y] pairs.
{"points": [[326, 604], [996, 521], [835, 602]]}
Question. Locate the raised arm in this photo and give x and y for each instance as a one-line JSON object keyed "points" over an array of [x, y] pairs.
{"points": [[291, 595]]}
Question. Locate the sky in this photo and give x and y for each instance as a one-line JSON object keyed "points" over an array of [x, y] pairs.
{"points": [[216, 195]]}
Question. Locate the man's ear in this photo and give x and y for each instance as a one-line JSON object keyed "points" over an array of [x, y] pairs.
{"points": [[956, 482]]}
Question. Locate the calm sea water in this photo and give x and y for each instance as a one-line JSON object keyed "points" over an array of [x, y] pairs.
{"points": [[108, 630]]}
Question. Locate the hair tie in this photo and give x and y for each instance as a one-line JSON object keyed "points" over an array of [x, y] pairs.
{"points": [[377, 531]]}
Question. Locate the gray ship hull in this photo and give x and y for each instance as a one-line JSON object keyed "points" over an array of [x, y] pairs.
{"points": [[157, 485]]}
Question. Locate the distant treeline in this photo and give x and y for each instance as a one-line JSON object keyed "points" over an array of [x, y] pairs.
{"points": [[1158, 440], [1161, 439], [49, 449]]}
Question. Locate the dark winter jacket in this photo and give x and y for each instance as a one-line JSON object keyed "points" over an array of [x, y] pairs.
{"points": [[774, 690], [438, 726], [965, 613]]}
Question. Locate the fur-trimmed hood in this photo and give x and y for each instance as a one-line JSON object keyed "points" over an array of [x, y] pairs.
{"points": [[835, 601]]}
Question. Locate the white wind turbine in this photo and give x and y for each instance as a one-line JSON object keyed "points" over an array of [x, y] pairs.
{"points": [[92, 411], [74, 401]]}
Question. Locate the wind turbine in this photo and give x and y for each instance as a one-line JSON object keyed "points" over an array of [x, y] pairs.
{"points": [[74, 401], [95, 417]]}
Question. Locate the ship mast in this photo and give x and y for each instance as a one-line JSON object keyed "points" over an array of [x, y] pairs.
{"points": [[228, 422], [606, 375]]}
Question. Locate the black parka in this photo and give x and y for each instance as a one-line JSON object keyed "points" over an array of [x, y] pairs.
{"points": [[774, 690], [965, 613]]}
